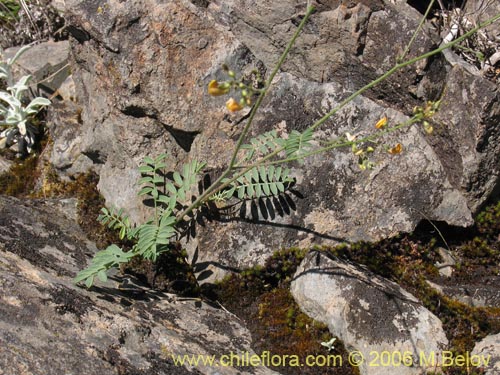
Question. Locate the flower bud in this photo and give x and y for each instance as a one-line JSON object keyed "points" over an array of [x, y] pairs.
{"points": [[350, 137]]}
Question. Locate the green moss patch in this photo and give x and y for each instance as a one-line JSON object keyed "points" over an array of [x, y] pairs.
{"points": [[19, 181], [261, 297]]}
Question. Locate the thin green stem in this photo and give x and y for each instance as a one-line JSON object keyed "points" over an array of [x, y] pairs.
{"points": [[398, 66], [338, 143], [318, 123], [267, 85], [217, 186], [414, 36], [214, 187]]}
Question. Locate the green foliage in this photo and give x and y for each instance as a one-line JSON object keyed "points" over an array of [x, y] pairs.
{"points": [[295, 145], [17, 117], [111, 257], [260, 182], [262, 144], [153, 237], [298, 143], [9, 10], [488, 221], [116, 220], [172, 194]]}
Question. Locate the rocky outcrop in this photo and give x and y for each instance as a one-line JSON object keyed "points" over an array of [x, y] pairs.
{"points": [[141, 69], [367, 312], [50, 326], [469, 155], [64, 126]]}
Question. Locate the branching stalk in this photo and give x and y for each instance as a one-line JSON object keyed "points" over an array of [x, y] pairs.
{"points": [[213, 189], [152, 239], [217, 186]]}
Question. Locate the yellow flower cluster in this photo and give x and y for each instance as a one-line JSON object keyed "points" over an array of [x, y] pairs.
{"points": [[391, 150], [396, 149], [247, 91], [425, 113], [217, 89]]}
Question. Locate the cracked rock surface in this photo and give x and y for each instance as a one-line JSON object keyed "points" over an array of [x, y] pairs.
{"points": [[50, 326]]}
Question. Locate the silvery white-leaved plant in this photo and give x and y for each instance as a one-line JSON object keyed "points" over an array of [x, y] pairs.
{"points": [[15, 117]]}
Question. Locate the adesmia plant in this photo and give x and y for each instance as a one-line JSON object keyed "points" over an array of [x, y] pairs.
{"points": [[256, 168]]}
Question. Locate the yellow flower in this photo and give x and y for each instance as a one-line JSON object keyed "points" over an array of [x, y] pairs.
{"points": [[396, 149], [381, 123], [216, 89], [233, 105]]}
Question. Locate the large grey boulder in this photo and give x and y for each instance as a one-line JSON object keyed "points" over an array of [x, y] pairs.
{"points": [[367, 312], [50, 326], [141, 68], [469, 154]]}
